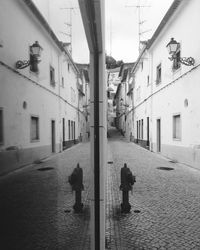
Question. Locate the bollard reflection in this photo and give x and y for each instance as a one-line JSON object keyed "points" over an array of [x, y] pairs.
{"points": [[76, 182], [127, 181]]}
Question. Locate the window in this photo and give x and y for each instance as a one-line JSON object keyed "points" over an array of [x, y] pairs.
{"points": [[142, 66], [52, 76], [177, 127], [1, 126], [158, 74], [176, 61], [148, 80], [34, 128], [63, 82]]}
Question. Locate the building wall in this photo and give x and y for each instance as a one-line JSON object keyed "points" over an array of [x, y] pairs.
{"points": [[24, 94], [177, 93], [142, 105]]}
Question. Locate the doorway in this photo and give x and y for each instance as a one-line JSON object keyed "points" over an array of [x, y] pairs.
{"points": [[53, 136], [63, 129], [158, 135], [148, 131]]}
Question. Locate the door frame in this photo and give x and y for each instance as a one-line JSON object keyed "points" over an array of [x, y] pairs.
{"points": [[53, 135], [158, 134]]}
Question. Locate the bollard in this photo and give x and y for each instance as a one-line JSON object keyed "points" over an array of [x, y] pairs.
{"points": [[76, 181], [127, 180]]}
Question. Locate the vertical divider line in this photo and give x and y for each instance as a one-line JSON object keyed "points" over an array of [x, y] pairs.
{"points": [[96, 153]]}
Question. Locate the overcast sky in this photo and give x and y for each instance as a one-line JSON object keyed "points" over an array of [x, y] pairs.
{"points": [[121, 25]]}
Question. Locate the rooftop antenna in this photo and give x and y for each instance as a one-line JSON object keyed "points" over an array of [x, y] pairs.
{"points": [[110, 37], [69, 25], [140, 22]]}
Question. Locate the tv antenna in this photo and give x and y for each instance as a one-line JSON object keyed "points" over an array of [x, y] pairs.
{"points": [[110, 37], [69, 26], [140, 22]]}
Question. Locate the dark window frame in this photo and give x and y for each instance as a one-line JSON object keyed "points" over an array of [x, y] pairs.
{"points": [[174, 127], [142, 66], [52, 76], [63, 81], [159, 73], [148, 80], [37, 136]]}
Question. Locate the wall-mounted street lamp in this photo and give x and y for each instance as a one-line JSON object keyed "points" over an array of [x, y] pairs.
{"points": [[110, 89], [35, 52], [123, 104], [86, 107], [173, 46]]}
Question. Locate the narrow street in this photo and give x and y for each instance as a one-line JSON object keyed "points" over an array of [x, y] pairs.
{"points": [[36, 202], [165, 211], [36, 205]]}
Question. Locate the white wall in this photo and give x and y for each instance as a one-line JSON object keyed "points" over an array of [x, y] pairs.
{"points": [[43, 100], [168, 98]]}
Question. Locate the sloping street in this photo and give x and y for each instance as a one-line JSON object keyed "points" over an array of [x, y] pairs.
{"points": [[165, 201], [36, 205], [36, 202]]}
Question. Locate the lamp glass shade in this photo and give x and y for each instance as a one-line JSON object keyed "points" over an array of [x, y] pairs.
{"points": [[36, 49], [172, 46], [110, 89]]}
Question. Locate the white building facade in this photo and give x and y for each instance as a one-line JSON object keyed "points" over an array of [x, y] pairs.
{"points": [[38, 110], [113, 80], [166, 99], [124, 101], [84, 102]]}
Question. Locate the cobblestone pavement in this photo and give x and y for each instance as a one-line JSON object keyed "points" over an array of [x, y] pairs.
{"points": [[36, 206], [165, 211]]}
